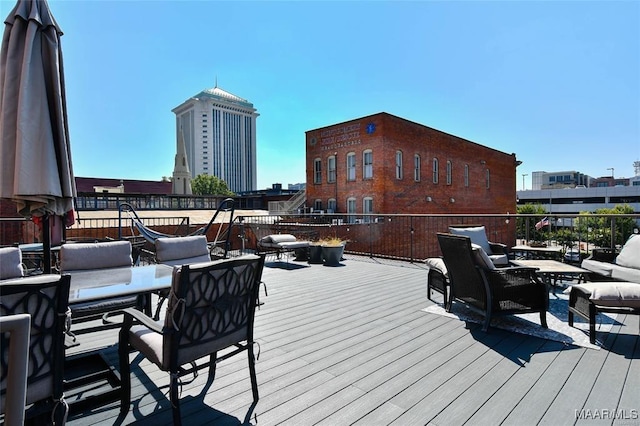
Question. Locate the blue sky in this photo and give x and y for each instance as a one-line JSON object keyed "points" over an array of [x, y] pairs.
{"points": [[557, 83]]}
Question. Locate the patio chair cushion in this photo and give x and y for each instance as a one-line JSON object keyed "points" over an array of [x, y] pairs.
{"points": [[477, 234], [437, 263], [11, 263], [278, 238], [481, 258], [614, 293], [630, 254], [81, 256], [182, 250]]}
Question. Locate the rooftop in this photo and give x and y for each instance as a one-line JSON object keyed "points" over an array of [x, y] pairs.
{"points": [[351, 345]]}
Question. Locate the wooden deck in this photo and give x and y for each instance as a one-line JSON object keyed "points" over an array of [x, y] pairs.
{"points": [[350, 345]]}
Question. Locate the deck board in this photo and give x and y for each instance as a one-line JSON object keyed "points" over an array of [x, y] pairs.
{"points": [[350, 345]]}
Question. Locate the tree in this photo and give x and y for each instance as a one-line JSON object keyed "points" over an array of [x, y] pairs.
{"points": [[526, 226], [210, 185], [598, 229]]}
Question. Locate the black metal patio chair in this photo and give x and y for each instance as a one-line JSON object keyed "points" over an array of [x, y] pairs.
{"points": [[45, 297], [211, 309]]}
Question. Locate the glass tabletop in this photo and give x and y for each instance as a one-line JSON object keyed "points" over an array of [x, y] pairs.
{"points": [[97, 284]]}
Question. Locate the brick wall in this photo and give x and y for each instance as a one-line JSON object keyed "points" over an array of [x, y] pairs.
{"points": [[384, 134]]}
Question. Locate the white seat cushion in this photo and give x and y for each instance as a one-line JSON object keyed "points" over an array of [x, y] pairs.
{"points": [[437, 263], [614, 293], [630, 254], [477, 234]]}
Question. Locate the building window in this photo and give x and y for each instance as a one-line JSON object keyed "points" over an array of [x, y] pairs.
{"points": [[466, 175], [416, 167], [435, 170], [351, 166], [367, 162], [367, 208], [488, 179], [398, 164], [331, 205], [331, 169], [351, 209], [317, 205], [317, 170], [448, 172]]}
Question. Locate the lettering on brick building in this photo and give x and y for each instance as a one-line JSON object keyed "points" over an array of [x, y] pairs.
{"points": [[338, 137]]}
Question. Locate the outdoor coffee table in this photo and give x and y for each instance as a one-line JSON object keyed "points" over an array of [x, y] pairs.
{"points": [[552, 270]]}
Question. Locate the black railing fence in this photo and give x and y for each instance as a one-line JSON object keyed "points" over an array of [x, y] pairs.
{"points": [[406, 237]]}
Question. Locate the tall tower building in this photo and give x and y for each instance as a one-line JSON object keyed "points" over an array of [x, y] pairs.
{"points": [[219, 133]]}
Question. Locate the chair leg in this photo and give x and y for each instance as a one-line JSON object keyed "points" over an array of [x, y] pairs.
{"points": [[487, 321], [212, 366], [592, 323], [252, 372], [543, 318], [125, 371], [175, 399]]}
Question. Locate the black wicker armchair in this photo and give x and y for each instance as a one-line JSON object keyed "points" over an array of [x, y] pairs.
{"points": [[487, 290]]}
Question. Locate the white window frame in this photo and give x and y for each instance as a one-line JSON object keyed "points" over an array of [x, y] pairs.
{"points": [[399, 165], [435, 170], [317, 171], [331, 205], [367, 208], [351, 166], [416, 167], [331, 169], [351, 209], [449, 172], [488, 179], [466, 175], [367, 168]]}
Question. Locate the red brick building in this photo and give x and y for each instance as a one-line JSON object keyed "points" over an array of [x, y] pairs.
{"points": [[385, 164]]}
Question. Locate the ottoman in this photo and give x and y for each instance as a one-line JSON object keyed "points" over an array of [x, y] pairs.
{"points": [[587, 299]]}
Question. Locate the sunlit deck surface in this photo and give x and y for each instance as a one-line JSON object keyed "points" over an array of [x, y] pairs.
{"points": [[350, 345]]}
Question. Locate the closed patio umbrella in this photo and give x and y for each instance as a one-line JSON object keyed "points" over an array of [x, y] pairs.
{"points": [[35, 161]]}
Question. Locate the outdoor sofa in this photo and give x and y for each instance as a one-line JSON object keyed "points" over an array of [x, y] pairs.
{"points": [[604, 265]]}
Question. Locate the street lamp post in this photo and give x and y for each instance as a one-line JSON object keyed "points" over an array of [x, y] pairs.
{"points": [[335, 159], [523, 186], [611, 168]]}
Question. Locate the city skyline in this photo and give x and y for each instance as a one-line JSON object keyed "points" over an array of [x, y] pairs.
{"points": [[554, 82]]}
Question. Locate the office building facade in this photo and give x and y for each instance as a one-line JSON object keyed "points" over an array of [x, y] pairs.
{"points": [[219, 133]]}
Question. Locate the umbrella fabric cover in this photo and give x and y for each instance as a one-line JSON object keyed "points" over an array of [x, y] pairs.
{"points": [[35, 161]]}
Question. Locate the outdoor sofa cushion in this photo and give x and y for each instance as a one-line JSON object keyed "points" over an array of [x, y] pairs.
{"points": [[282, 242], [622, 294], [437, 263], [626, 266], [182, 250], [481, 258], [81, 256], [11, 263], [630, 254]]}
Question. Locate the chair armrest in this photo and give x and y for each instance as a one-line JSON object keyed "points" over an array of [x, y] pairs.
{"points": [[131, 314], [499, 248], [603, 255]]}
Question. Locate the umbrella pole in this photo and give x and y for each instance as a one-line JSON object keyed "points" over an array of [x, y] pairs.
{"points": [[46, 243]]}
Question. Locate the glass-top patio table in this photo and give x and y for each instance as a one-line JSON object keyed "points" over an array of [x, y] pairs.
{"points": [[84, 368], [103, 284]]}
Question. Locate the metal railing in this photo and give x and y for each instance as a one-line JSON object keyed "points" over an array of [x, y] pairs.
{"points": [[405, 237]]}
